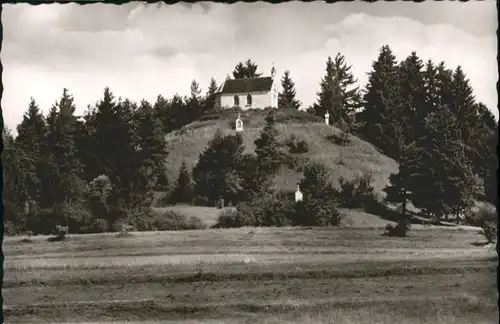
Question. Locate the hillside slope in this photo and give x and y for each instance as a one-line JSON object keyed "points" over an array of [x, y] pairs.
{"points": [[356, 158]]}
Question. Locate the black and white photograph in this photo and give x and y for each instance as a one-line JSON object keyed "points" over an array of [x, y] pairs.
{"points": [[216, 163]]}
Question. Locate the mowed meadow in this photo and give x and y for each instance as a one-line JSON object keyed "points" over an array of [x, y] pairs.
{"points": [[253, 275]]}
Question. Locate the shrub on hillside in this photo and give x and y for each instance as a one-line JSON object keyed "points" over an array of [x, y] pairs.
{"points": [[317, 212], [356, 193], [290, 115], [266, 210], [297, 146], [164, 221]]}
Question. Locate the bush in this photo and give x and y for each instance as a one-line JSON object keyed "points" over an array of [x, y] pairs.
{"points": [[483, 214], [358, 193], [486, 218], [297, 146], [490, 231], [263, 210], [228, 218], [291, 115], [165, 221], [317, 212], [400, 230]]}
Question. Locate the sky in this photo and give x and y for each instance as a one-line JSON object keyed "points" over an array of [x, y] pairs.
{"points": [[142, 50]]}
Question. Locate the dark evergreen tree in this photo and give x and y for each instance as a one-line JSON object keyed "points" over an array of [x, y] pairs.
{"points": [[162, 113], [246, 70], [267, 147], [183, 191], [218, 172], [431, 98], [412, 94], [177, 112], [382, 96], [210, 95], [338, 94], [194, 103], [463, 105], [444, 171], [319, 206], [484, 152], [15, 192], [31, 132], [286, 99], [61, 182], [152, 149]]}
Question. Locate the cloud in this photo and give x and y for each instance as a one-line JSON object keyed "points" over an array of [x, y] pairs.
{"points": [[142, 50]]}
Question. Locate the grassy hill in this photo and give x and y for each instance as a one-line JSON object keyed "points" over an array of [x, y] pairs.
{"points": [[356, 158]]}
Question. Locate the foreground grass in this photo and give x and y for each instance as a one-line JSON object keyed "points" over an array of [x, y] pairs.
{"points": [[253, 275]]}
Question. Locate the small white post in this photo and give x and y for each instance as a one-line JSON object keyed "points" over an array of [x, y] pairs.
{"points": [[298, 194], [239, 124], [327, 118]]}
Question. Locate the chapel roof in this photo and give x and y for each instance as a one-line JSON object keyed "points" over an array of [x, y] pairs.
{"points": [[247, 85]]}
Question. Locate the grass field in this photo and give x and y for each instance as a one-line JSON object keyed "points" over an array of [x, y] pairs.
{"points": [[253, 275]]}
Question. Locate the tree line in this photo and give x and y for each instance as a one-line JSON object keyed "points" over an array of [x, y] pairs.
{"points": [[97, 171]]}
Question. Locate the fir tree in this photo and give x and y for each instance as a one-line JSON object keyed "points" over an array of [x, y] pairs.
{"points": [[151, 141], [463, 105], [15, 192], [382, 96], [444, 169], [194, 103], [319, 206], [246, 70], [267, 147], [162, 113], [61, 153], [183, 187], [286, 99], [218, 172], [338, 94], [31, 132], [412, 93], [210, 96]]}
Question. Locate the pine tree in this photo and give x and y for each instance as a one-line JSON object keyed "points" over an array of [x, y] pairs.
{"points": [[444, 171], [286, 99], [183, 192], [484, 151], [246, 70], [218, 172], [463, 105], [61, 144], [15, 192], [194, 103], [431, 98], [162, 113], [412, 93], [319, 206], [151, 141], [338, 94], [117, 152], [61, 182], [267, 147], [31, 132], [382, 95], [210, 96]]}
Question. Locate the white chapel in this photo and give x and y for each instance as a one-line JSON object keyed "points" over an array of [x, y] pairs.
{"points": [[248, 93]]}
